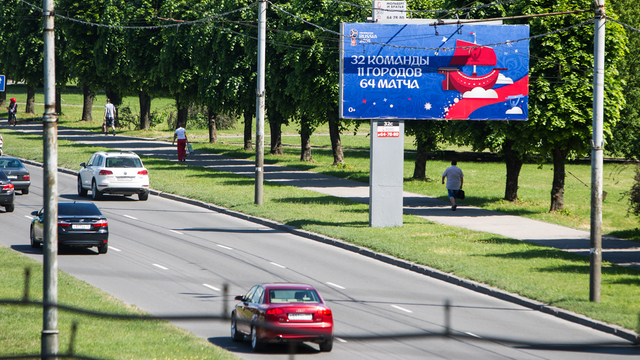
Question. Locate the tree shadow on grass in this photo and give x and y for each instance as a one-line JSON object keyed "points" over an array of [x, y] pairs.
{"points": [[631, 234], [319, 200]]}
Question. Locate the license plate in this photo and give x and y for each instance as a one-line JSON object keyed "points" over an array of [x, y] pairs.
{"points": [[300, 316], [125, 178], [81, 227], [12, 177]]}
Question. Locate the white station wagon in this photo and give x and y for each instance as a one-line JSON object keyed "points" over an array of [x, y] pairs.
{"points": [[114, 173]]}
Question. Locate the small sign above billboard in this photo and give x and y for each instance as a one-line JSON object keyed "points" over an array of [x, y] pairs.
{"points": [[389, 10], [410, 71]]}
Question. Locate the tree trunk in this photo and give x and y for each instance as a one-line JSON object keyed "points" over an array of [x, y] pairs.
{"points": [[58, 101], [514, 162], [248, 121], [183, 113], [275, 125], [30, 108], [420, 167], [87, 104], [305, 140], [334, 133], [213, 131], [3, 98], [145, 109], [557, 190]]}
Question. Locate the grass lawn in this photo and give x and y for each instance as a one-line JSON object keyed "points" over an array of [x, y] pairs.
{"points": [[548, 275], [95, 337]]}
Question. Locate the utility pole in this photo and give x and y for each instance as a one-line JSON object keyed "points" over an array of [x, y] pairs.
{"points": [[262, 41], [50, 144], [597, 148]]}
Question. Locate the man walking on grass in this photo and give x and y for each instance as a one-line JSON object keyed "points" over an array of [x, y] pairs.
{"points": [[455, 179]]}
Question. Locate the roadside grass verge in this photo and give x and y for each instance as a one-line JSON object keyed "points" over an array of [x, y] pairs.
{"points": [[95, 337], [548, 275]]}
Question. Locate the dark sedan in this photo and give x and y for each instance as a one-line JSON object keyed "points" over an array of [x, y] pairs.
{"points": [[7, 193], [16, 172], [281, 312], [80, 224]]}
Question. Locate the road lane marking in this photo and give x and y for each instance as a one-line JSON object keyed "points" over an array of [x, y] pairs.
{"points": [[278, 265], [29, 217], [401, 308], [177, 232], [211, 287], [161, 267], [225, 247], [114, 249], [472, 334], [341, 340], [336, 285], [130, 217]]}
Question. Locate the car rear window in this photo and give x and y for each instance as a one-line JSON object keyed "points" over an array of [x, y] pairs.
{"points": [[123, 162], [3, 176], [10, 163], [279, 296], [78, 209]]}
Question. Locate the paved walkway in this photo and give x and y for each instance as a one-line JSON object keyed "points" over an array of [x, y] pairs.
{"points": [[622, 252]]}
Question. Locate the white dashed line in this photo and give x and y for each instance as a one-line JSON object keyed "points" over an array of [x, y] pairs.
{"points": [[472, 334], [341, 340], [278, 265], [161, 267], [130, 217], [177, 232], [225, 247], [30, 217], [401, 308], [211, 287], [335, 285], [114, 249]]}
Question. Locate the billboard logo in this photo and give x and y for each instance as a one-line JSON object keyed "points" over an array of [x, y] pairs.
{"points": [[354, 34]]}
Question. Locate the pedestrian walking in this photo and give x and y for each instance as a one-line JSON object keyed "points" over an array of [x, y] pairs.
{"points": [[13, 110], [181, 135], [109, 118], [455, 179]]}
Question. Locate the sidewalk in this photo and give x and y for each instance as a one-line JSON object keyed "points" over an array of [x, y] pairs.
{"points": [[621, 252]]}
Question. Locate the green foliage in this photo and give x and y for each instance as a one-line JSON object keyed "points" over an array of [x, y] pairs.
{"points": [[634, 194]]}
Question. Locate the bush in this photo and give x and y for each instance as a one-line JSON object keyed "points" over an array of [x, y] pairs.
{"points": [[634, 194]]}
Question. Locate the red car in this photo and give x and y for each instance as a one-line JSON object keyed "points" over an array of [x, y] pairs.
{"points": [[280, 312]]}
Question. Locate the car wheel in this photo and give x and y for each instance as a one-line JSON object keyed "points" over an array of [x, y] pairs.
{"points": [[95, 193], [25, 191], [81, 191], [235, 334], [326, 346], [102, 249], [143, 196], [9, 208], [256, 344], [34, 243]]}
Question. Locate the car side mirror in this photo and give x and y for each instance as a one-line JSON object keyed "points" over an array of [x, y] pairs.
{"points": [[83, 165], [240, 298], [34, 213]]}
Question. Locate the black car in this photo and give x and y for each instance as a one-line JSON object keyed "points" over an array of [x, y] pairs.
{"points": [[16, 172], [7, 193], [80, 224]]}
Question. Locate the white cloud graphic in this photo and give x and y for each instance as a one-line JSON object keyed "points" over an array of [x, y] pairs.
{"points": [[480, 93], [514, 111], [504, 80]]}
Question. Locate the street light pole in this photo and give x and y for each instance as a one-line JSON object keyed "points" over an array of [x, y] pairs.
{"points": [[597, 148]]}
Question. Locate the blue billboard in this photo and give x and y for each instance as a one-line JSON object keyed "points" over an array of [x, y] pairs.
{"points": [[410, 71]]}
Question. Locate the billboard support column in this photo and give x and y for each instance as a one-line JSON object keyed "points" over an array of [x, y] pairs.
{"points": [[386, 173], [260, 101]]}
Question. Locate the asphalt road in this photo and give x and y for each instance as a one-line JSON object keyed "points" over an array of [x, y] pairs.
{"points": [[168, 257]]}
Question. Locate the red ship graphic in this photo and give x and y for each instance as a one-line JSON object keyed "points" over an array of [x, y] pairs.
{"points": [[468, 53]]}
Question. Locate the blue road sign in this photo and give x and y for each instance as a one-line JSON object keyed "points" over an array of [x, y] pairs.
{"points": [[2, 79]]}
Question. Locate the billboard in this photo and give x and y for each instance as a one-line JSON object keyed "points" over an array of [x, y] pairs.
{"points": [[411, 71]]}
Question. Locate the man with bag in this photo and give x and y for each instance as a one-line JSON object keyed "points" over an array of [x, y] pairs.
{"points": [[455, 179]]}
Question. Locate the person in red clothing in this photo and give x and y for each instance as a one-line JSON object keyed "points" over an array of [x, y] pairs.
{"points": [[13, 109], [181, 135]]}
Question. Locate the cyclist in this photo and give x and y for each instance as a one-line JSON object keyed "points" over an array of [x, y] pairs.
{"points": [[13, 109]]}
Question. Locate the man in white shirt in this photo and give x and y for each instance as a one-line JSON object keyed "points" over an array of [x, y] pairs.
{"points": [[455, 179], [109, 117]]}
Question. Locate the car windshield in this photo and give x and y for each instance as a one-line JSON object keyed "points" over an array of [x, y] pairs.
{"points": [[10, 163], [124, 162], [279, 296], [66, 209]]}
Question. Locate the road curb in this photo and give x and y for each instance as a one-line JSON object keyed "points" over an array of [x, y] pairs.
{"points": [[417, 268]]}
